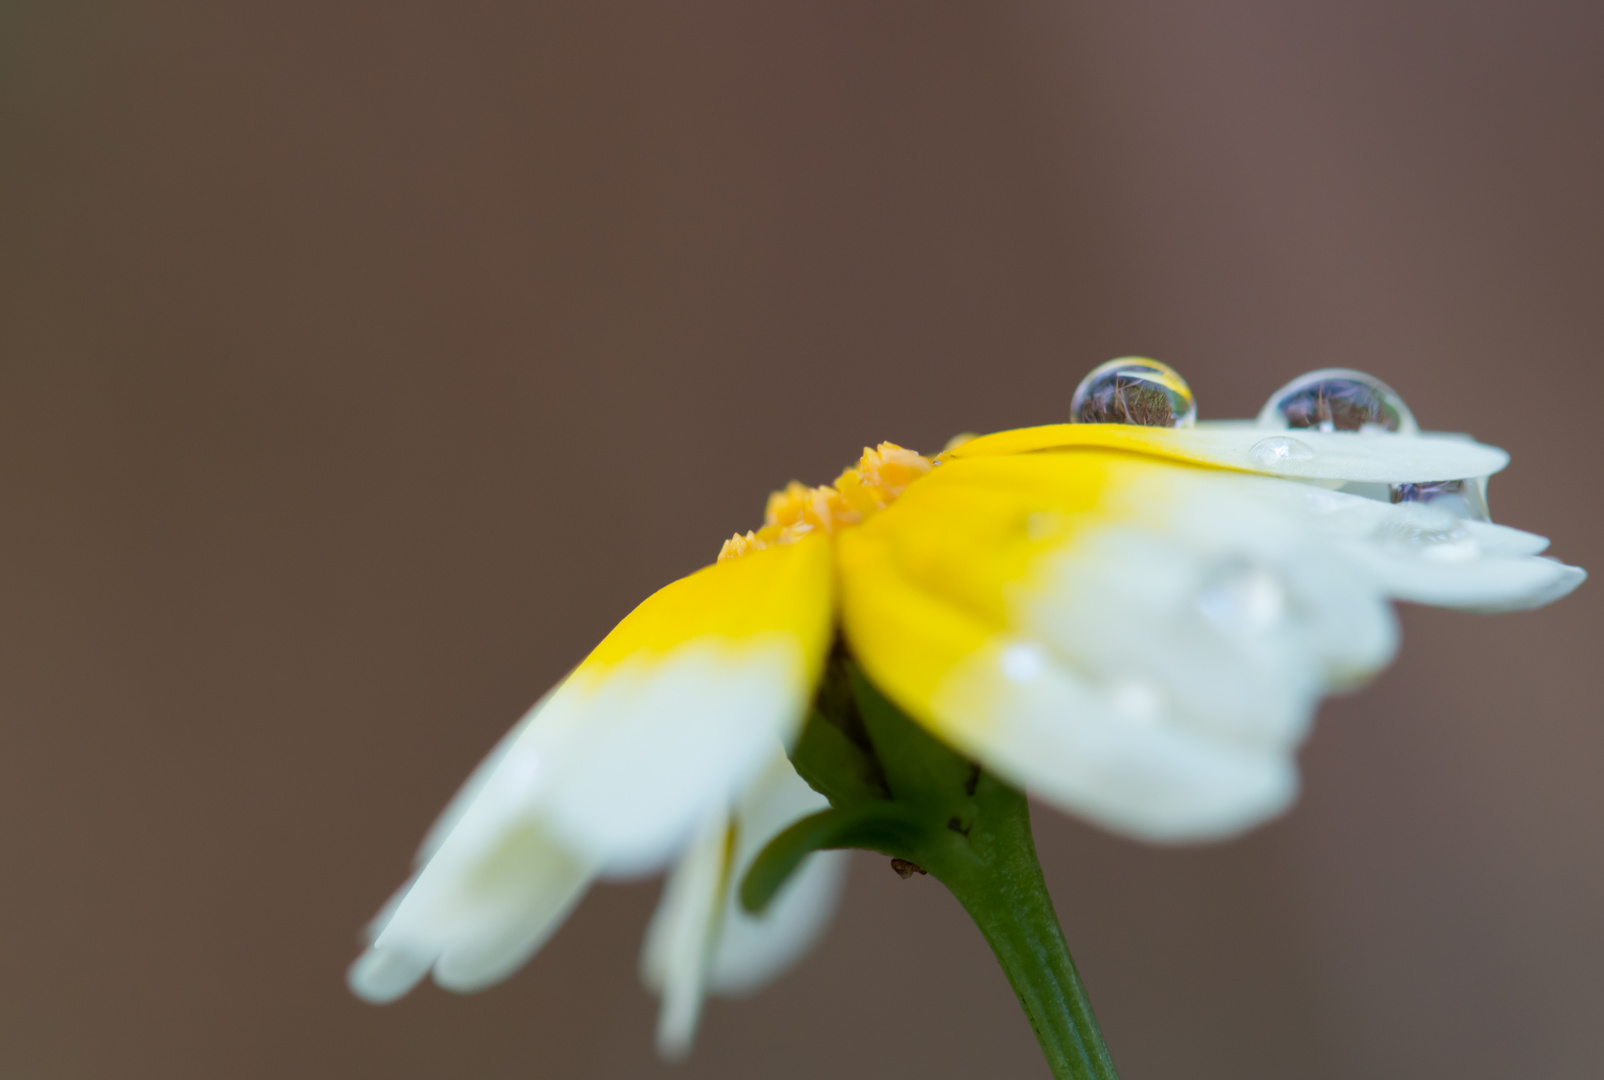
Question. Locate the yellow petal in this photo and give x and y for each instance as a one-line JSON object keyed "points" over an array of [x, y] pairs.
{"points": [[1137, 641], [779, 590], [680, 706], [925, 584], [659, 731]]}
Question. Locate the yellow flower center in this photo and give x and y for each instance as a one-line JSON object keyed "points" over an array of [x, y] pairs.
{"points": [[857, 494]]}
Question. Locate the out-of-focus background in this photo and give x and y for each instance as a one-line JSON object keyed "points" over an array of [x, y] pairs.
{"points": [[361, 364]]}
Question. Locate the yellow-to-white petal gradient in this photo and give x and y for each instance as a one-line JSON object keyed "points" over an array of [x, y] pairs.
{"points": [[681, 705], [659, 730], [701, 940], [1322, 456], [1140, 641]]}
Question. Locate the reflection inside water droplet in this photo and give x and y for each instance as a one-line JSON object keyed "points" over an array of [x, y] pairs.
{"points": [[1338, 399], [1280, 450], [1133, 390], [1462, 498]]}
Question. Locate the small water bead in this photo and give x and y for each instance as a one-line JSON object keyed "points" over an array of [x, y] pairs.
{"points": [[1023, 662], [1429, 537], [1465, 499], [1338, 399], [1279, 450], [1134, 390], [1245, 598]]}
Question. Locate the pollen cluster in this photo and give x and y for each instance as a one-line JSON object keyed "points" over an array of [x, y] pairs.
{"points": [[858, 493]]}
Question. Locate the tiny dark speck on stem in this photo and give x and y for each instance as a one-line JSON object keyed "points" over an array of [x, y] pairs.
{"points": [[906, 869]]}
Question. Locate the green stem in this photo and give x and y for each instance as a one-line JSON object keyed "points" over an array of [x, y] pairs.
{"points": [[896, 789], [996, 877]]}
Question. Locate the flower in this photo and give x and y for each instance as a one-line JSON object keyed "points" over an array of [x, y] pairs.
{"points": [[1134, 623]]}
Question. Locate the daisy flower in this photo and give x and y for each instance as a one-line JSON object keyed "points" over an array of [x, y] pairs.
{"points": [[1131, 616]]}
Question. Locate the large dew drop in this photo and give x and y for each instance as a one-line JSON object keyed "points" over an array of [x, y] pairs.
{"points": [[1133, 390], [1338, 399]]}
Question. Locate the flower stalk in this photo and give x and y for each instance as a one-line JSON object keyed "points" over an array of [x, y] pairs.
{"points": [[996, 877], [899, 791]]}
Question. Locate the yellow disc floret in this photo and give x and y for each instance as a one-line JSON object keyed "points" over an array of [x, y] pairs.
{"points": [[858, 493]]}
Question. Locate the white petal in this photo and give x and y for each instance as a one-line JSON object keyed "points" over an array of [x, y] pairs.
{"points": [[478, 909], [1233, 621], [701, 940], [1362, 457], [1453, 572], [634, 760], [680, 706], [1143, 643], [1417, 552], [624, 763], [1182, 652], [383, 975], [752, 950], [680, 939], [666, 721], [1129, 768]]}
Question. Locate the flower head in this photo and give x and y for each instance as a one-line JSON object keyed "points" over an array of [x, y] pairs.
{"points": [[1133, 622]]}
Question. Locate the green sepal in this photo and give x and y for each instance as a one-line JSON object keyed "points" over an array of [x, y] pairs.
{"points": [[920, 770], [880, 826], [835, 765]]}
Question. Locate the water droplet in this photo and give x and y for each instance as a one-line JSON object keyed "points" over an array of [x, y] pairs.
{"points": [[1279, 450], [1338, 399], [1429, 533], [1023, 662], [1243, 597], [1133, 390], [1462, 498]]}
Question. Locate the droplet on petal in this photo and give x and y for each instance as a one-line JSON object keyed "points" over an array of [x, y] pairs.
{"points": [[1243, 598], [1279, 450], [1431, 534], [1338, 399], [1134, 390], [1462, 498], [1023, 662]]}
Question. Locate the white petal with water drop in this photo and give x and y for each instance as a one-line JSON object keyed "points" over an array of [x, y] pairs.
{"points": [[1379, 458]]}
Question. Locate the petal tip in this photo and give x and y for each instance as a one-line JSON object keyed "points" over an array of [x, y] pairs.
{"points": [[382, 975]]}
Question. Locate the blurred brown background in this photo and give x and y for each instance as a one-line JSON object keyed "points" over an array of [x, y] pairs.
{"points": [[361, 363]]}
